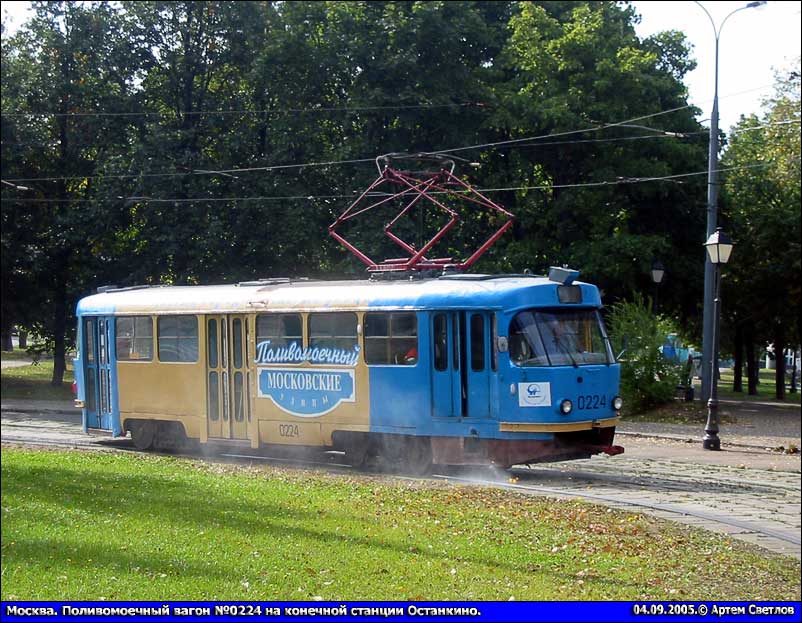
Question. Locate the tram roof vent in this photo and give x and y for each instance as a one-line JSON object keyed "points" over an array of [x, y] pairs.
{"points": [[563, 275], [264, 282], [103, 289], [479, 277]]}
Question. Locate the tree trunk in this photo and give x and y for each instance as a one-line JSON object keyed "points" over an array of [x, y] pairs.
{"points": [[23, 340], [794, 372], [8, 343], [59, 334], [737, 370], [752, 369], [779, 356]]}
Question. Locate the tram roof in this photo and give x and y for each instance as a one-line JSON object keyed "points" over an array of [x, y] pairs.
{"points": [[458, 291]]}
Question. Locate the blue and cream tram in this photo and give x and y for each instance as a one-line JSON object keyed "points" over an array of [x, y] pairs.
{"points": [[459, 369]]}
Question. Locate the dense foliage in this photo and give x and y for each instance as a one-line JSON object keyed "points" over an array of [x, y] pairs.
{"points": [[762, 205], [162, 142], [648, 378]]}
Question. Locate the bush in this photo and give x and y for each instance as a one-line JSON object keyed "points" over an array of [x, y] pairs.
{"points": [[647, 378]]}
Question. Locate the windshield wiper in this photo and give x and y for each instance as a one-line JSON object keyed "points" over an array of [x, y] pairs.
{"points": [[558, 341]]}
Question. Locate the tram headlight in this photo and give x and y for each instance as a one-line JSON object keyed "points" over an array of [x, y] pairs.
{"points": [[566, 406], [618, 403]]}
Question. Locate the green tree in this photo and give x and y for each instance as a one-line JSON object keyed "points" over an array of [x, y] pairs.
{"points": [[574, 65], [761, 204], [69, 60]]}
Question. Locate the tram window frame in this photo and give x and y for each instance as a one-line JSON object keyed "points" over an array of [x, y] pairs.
{"points": [[180, 342], [281, 338], [387, 343], [477, 331], [135, 343], [325, 330], [493, 347], [440, 342], [89, 339]]}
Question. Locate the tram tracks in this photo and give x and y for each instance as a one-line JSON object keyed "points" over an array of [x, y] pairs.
{"points": [[662, 488]]}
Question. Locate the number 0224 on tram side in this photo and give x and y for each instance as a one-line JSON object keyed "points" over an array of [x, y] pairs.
{"points": [[458, 369]]}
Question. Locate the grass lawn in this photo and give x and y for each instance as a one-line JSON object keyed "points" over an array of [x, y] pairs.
{"points": [[678, 412], [765, 389], [14, 355], [111, 526], [33, 382]]}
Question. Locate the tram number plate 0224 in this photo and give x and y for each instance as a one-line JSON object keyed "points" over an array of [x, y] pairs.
{"points": [[591, 401], [288, 430]]}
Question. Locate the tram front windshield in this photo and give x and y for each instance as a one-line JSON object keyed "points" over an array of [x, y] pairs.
{"points": [[559, 337]]}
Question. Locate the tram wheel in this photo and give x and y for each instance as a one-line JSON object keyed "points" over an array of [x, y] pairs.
{"points": [[412, 455], [356, 454], [143, 434], [419, 456]]}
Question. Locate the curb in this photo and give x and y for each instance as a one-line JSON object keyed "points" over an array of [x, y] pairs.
{"points": [[22, 409], [693, 440]]}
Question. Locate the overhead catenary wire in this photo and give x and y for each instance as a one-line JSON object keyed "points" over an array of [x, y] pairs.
{"points": [[310, 109], [664, 134], [496, 144], [179, 113], [330, 163], [180, 200]]}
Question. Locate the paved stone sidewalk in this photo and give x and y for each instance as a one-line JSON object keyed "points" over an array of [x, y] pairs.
{"points": [[762, 425], [34, 406]]}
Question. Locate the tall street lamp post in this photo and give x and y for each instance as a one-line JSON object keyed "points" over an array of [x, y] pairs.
{"points": [[719, 246], [712, 207], [658, 271]]}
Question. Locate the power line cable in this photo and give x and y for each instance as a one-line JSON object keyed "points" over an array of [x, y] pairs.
{"points": [[496, 144], [336, 162], [618, 181], [246, 112], [314, 109]]}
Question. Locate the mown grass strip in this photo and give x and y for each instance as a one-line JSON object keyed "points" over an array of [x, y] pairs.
{"points": [[32, 382], [94, 526]]}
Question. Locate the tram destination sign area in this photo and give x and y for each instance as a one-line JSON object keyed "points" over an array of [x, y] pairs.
{"points": [[567, 611]]}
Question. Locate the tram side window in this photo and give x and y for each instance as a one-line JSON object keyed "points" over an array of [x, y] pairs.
{"points": [[526, 345], [333, 330], [178, 339], [477, 342], [440, 342], [280, 330], [134, 341], [391, 338]]}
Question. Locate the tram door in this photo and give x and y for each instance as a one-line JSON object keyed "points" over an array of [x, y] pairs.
{"points": [[462, 364], [446, 383], [227, 377], [99, 399], [476, 362]]}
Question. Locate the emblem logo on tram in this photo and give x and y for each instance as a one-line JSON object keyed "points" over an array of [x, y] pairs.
{"points": [[306, 392], [534, 394]]}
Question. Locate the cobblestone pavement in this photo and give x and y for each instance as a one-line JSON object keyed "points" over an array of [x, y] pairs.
{"points": [[760, 505], [745, 490]]}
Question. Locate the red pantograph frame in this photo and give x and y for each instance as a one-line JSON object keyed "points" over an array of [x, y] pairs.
{"points": [[419, 186]]}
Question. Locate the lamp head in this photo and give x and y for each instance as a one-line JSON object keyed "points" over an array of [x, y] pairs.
{"points": [[719, 247], [658, 271]]}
